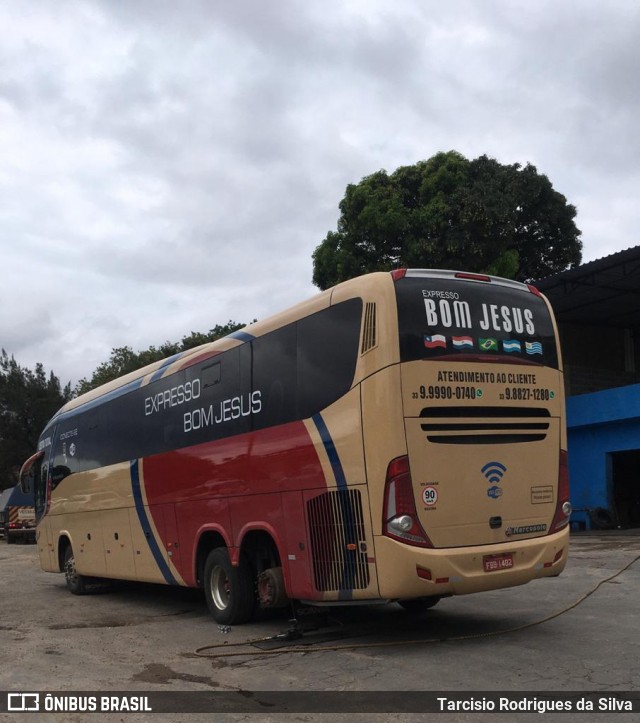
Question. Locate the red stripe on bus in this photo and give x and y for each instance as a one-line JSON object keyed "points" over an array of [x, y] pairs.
{"points": [[226, 484]]}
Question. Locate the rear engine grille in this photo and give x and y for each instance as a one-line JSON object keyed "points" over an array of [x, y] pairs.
{"points": [[338, 549], [485, 425]]}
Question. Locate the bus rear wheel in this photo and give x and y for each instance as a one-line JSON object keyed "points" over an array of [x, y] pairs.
{"points": [[229, 590], [76, 584]]}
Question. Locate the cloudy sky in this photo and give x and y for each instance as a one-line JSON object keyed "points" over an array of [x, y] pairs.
{"points": [[167, 166]]}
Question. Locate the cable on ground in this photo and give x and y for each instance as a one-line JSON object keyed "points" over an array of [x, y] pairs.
{"points": [[388, 644]]}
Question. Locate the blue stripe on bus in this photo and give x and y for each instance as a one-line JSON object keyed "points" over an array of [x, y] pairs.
{"points": [[146, 526], [348, 571], [167, 362], [332, 452], [241, 335]]}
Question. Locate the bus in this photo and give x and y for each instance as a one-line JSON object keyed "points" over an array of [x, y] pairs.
{"points": [[398, 437]]}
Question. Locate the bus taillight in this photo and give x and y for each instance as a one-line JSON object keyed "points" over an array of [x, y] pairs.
{"points": [[400, 516], [563, 506], [472, 277]]}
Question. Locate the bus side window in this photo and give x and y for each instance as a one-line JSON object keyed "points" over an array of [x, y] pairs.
{"points": [[65, 459], [274, 376], [40, 491], [327, 355], [219, 406], [211, 375], [58, 473]]}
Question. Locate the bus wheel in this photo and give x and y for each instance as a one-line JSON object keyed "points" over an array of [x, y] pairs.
{"points": [[419, 604], [229, 590], [75, 583]]}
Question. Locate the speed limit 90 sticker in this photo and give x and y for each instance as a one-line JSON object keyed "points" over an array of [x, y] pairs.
{"points": [[430, 495]]}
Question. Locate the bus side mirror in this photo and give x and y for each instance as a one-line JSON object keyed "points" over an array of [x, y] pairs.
{"points": [[27, 471]]}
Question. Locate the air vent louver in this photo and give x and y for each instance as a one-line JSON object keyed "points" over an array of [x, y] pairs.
{"points": [[484, 425], [337, 534], [369, 328]]}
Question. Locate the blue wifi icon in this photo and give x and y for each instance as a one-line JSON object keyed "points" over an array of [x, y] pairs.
{"points": [[494, 471]]}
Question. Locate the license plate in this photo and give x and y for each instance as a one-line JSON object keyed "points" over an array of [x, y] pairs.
{"points": [[497, 562]]}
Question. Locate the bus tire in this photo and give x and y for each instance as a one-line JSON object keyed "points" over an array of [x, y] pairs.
{"points": [[420, 604], [76, 584], [229, 590], [601, 519]]}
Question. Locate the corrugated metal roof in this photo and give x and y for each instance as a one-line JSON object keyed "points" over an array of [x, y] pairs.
{"points": [[604, 291]]}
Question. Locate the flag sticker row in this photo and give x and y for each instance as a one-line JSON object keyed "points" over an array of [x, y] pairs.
{"points": [[460, 343]]}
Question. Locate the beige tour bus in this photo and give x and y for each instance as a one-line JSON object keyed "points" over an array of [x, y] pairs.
{"points": [[399, 437]]}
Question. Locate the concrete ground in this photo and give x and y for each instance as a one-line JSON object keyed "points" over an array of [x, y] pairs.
{"points": [[577, 633]]}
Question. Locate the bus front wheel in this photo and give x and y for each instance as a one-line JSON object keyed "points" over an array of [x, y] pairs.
{"points": [[75, 583], [229, 590], [419, 604]]}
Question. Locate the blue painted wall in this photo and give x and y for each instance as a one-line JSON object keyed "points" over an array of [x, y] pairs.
{"points": [[599, 423]]}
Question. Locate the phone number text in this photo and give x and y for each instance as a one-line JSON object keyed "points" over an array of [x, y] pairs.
{"points": [[526, 394]]}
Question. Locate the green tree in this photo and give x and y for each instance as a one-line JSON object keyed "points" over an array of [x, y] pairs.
{"points": [[451, 213], [28, 399], [124, 360]]}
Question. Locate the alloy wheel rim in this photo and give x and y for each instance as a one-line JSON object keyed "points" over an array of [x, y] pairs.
{"points": [[220, 588]]}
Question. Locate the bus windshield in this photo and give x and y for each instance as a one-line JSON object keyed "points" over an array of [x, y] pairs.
{"points": [[468, 320]]}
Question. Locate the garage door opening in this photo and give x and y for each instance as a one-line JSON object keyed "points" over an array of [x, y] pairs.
{"points": [[625, 487]]}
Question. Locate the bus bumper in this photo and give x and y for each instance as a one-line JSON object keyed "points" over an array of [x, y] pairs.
{"points": [[406, 572]]}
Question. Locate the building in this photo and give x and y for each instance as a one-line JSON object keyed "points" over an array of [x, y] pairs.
{"points": [[597, 306]]}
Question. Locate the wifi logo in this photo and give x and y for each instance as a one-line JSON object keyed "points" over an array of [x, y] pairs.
{"points": [[494, 472]]}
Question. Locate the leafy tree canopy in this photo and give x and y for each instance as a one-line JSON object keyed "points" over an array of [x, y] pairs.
{"points": [[124, 360], [451, 213], [28, 399]]}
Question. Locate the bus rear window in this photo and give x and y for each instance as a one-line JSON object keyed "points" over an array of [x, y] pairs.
{"points": [[454, 318]]}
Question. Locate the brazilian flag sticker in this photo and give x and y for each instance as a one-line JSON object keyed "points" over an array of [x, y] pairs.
{"points": [[488, 344]]}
